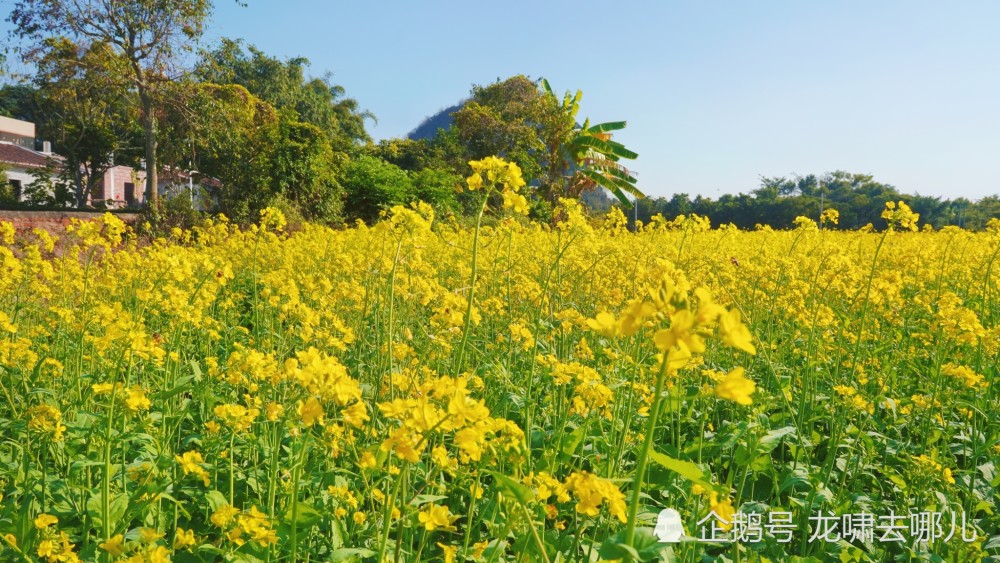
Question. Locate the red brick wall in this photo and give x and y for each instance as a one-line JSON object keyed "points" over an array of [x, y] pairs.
{"points": [[55, 221]]}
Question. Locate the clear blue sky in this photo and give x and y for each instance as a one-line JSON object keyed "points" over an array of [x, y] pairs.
{"points": [[716, 94]]}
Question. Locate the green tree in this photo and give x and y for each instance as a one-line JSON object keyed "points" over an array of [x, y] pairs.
{"points": [[306, 169], [373, 185], [146, 34], [284, 85], [506, 119], [583, 157], [411, 154], [933, 210], [979, 213], [225, 133], [427, 162], [257, 154], [438, 187], [19, 101], [7, 196], [524, 122], [85, 109]]}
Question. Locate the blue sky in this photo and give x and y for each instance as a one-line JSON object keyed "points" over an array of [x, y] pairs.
{"points": [[716, 94]]}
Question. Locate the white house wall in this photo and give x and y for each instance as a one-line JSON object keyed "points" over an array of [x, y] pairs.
{"points": [[23, 175]]}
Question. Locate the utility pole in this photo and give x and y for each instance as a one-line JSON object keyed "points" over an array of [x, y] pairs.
{"points": [[821, 195]]}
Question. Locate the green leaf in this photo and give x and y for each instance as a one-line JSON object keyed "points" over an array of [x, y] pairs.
{"points": [[513, 490], [685, 469], [605, 127], [305, 517], [216, 500], [571, 441], [183, 384], [791, 479], [620, 151], [179, 504], [116, 509], [743, 455], [336, 534], [773, 438], [645, 547], [613, 550], [209, 548], [420, 500], [196, 369], [545, 87], [616, 172]]}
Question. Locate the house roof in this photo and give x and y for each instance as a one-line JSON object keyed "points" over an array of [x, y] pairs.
{"points": [[20, 156]]}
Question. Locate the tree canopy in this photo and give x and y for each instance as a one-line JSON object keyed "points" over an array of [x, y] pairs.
{"points": [[284, 85], [858, 198], [145, 34]]}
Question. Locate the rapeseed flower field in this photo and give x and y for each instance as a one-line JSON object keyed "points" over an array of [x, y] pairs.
{"points": [[421, 391]]}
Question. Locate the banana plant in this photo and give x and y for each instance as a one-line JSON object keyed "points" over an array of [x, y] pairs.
{"points": [[583, 157]]}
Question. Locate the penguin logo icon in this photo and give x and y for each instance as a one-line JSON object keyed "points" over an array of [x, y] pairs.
{"points": [[669, 527]]}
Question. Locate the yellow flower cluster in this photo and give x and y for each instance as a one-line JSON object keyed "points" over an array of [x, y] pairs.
{"points": [[193, 464], [899, 215], [106, 232], [47, 420], [241, 526], [53, 546], [493, 173], [931, 466], [592, 491], [829, 216]]}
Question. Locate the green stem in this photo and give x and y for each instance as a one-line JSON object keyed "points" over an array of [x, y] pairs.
{"points": [[865, 306], [459, 364], [647, 444], [534, 533], [232, 470], [392, 311], [297, 476], [106, 481], [387, 513]]}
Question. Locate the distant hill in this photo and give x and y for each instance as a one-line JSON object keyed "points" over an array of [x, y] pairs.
{"points": [[440, 120]]}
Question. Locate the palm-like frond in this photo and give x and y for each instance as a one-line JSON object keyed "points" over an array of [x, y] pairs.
{"points": [[590, 157], [605, 127]]}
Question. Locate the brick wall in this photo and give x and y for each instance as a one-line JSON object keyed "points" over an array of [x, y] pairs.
{"points": [[55, 221]]}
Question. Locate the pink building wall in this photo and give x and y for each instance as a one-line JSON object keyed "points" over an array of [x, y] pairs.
{"points": [[115, 187]]}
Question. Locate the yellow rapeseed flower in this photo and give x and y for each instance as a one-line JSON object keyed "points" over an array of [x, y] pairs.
{"points": [[183, 539], [736, 387], [137, 400], [310, 411], [149, 535], [436, 516], [191, 462], [44, 520]]}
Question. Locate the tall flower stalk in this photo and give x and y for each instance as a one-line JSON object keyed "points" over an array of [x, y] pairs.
{"points": [[489, 176]]}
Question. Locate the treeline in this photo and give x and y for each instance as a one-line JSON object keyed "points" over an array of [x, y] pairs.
{"points": [[858, 198], [110, 87], [259, 128], [271, 136]]}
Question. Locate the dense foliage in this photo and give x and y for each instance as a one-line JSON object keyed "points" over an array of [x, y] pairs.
{"points": [[141, 38], [858, 198], [284, 85]]}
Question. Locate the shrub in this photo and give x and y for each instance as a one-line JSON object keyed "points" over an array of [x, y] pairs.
{"points": [[372, 185]]}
